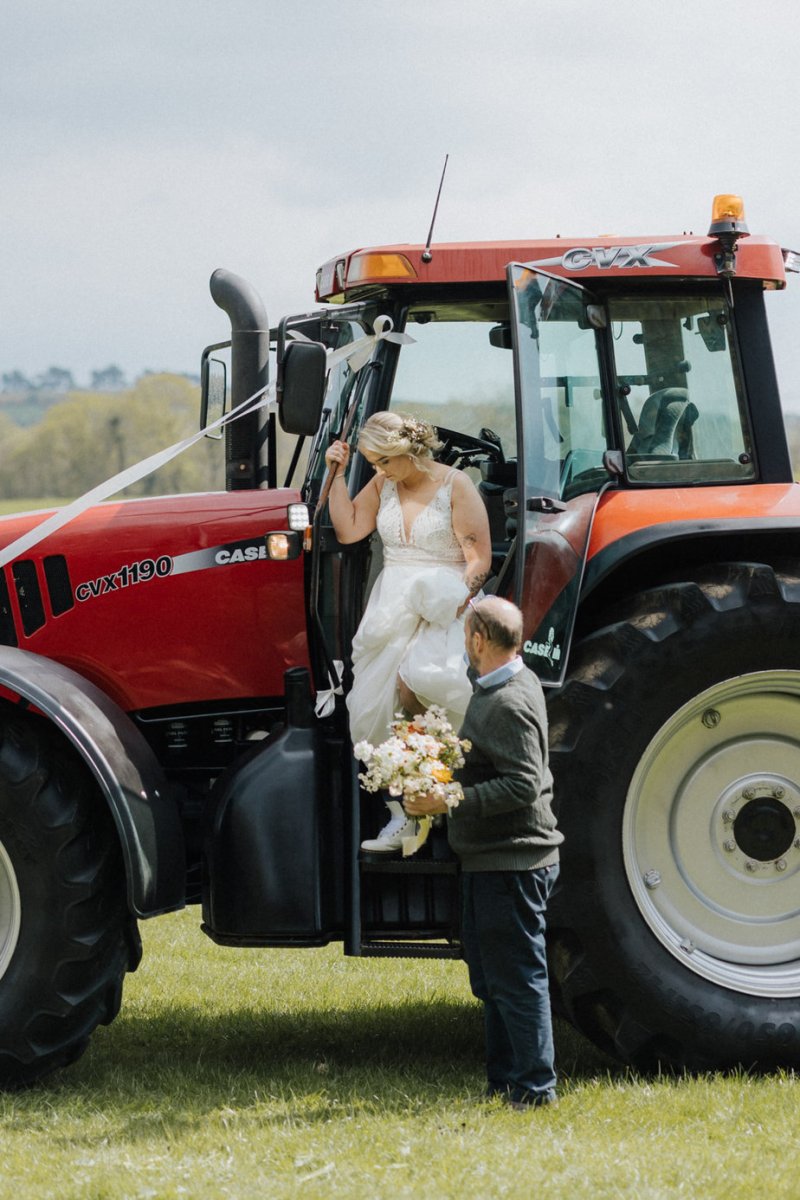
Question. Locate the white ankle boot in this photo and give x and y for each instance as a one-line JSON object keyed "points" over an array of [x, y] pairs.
{"points": [[390, 838]]}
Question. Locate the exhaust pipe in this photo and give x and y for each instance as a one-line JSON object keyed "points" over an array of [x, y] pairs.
{"points": [[249, 373]]}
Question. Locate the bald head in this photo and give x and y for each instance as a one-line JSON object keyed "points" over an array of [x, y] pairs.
{"points": [[498, 620]]}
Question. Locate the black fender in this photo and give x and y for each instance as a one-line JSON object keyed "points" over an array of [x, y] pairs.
{"points": [[637, 561], [125, 767]]}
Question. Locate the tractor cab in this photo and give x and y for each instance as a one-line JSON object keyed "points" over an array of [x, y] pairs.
{"points": [[552, 380]]}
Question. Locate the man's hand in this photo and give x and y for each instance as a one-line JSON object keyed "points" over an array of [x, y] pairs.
{"points": [[424, 806]]}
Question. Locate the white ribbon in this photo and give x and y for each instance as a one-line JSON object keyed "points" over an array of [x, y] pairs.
{"points": [[260, 399], [326, 699], [357, 354]]}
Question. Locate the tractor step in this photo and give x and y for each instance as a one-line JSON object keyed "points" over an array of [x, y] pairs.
{"points": [[409, 949]]}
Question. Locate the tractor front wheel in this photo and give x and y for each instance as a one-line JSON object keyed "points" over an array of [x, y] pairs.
{"points": [[675, 934], [66, 939]]}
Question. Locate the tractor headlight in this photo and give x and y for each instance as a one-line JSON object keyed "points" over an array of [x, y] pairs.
{"points": [[298, 517]]}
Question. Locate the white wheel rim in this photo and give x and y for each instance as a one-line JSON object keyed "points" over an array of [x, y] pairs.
{"points": [[711, 834], [10, 911]]}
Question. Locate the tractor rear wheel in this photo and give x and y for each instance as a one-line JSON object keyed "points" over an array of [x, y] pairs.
{"points": [[675, 933], [66, 938]]}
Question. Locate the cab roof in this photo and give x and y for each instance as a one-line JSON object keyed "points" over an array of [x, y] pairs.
{"points": [[669, 256]]}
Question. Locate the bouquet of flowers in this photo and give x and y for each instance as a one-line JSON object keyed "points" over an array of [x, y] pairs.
{"points": [[417, 759]]}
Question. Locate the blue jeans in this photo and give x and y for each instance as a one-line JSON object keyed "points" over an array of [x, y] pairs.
{"points": [[503, 934]]}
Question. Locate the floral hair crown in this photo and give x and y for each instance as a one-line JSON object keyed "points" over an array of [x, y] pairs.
{"points": [[415, 431]]}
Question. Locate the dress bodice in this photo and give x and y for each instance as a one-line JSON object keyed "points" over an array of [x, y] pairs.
{"points": [[430, 538]]}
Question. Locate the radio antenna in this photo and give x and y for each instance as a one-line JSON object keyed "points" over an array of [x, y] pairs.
{"points": [[426, 253]]}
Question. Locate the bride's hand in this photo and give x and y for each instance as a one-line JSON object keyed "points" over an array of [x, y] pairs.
{"points": [[337, 456]]}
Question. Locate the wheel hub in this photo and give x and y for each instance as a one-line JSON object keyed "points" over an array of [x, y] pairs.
{"points": [[764, 829], [711, 834], [757, 826]]}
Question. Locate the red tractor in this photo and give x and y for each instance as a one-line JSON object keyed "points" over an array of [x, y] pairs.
{"points": [[615, 400]]}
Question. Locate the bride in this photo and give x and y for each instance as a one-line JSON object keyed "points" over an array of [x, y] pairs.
{"points": [[408, 650]]}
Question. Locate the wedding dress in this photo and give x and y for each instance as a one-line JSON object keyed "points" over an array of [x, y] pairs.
{"points": [[410, 626]]}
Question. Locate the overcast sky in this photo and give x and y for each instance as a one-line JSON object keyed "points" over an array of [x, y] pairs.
{"points": [[146, 143]]}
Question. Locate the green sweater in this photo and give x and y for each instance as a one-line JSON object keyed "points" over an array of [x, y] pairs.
{"points": [[505, 821]]}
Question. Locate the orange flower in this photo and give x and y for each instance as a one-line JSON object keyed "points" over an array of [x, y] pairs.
{"points": [[441, 773]]}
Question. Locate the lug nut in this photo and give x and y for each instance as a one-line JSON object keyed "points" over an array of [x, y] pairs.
{"points": [[729, 845], [652, 879], [729, 815], [780, 864], [750, 865]]}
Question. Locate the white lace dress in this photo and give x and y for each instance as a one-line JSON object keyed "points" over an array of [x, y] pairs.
{"points": [[410, 625]]}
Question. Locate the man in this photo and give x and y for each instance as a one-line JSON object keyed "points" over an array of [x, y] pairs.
{"points": [[505, 836]]}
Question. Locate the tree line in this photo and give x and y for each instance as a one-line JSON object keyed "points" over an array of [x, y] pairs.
{"points": [[59, 381], [88, 436]]}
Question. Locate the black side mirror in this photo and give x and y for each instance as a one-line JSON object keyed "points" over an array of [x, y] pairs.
{"points": [[500, 336], [213, 388], [301, 387]]}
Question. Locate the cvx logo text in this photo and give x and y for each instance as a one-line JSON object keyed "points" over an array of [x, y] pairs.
{"points": [[581, 258]]}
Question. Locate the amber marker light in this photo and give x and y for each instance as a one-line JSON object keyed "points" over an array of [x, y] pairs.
{"points": [[278, 545], [727, 215], [377, 265], [727, 226], [282, 546]]}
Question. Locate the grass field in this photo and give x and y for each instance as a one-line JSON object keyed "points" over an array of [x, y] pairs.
{"points": [[39, 502], [245, 1073]]}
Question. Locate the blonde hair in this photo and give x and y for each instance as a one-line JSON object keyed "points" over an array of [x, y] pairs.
{"points": [[390, 434]]}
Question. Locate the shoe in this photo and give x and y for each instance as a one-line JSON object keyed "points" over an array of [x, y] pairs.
{"points": [[541, 1100], [390, 838]]}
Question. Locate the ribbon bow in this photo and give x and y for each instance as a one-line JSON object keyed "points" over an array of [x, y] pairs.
{"points": [[357, 354], [326, 698]]}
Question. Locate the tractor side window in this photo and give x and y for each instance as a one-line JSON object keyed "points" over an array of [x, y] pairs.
{"points": [[678, 391]]}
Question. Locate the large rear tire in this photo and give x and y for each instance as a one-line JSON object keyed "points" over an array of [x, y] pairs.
{"points": [[66, 938], [675, 933]]}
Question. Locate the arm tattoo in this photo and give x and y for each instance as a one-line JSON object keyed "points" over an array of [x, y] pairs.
{"points": [[475, 582]]}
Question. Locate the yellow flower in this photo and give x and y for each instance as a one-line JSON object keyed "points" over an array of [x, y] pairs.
{"points": [[441, 773]]}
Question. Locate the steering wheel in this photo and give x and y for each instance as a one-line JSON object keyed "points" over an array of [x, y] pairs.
{"points": [[463, 450]]}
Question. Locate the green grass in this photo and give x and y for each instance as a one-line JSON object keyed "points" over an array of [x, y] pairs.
{"points": [[239, 1073], [32, 505]]}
